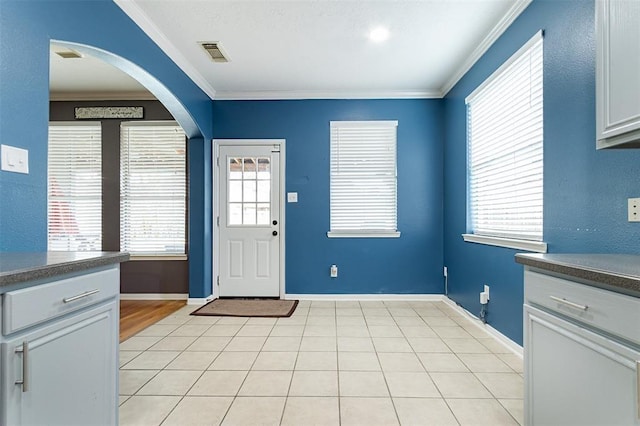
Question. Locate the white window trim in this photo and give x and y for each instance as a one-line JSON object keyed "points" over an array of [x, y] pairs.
{"points": [[519, 244], [533, 246], [159, 256], [52, 124], [355, 233], [497, 73], [367, 234]]}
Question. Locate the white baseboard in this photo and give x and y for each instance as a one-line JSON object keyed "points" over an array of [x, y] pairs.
{"points": [[506, 342], [351, 297], [199, 300], [153, 296]]}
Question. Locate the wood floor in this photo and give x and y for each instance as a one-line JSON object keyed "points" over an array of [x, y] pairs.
{"points": [[136, 315]]}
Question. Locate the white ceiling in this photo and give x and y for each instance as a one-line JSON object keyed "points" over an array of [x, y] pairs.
{"points": [[89, 78], [307, 49]]}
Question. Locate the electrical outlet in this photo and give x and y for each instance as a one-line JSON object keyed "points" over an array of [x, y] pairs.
{"points": [[486, 290], [634, 209], [445, 271], [333, 271]]}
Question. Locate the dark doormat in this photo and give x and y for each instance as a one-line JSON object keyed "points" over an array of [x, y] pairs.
{"points": [[248, 308]]}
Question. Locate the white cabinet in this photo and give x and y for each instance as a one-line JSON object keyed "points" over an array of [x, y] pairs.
{"points": [[68, 373], [581, 364], [618, 73], [576, 377]]}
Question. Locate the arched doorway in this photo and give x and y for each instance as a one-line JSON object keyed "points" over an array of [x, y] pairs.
{"points": [[166, 276]]}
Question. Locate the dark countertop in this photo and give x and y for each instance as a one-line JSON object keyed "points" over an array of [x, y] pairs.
{"points": [[22, 267], [615, 272]]}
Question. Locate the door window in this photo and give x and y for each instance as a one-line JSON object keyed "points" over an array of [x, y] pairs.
{"points": [[249, 191]]}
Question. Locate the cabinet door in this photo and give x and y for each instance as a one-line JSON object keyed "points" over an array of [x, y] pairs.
{"points": [[576, 377], [71, 372], [618, 73]]}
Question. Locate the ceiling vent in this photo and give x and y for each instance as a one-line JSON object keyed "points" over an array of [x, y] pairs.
{"points": [[68, 54], [215, 51]]}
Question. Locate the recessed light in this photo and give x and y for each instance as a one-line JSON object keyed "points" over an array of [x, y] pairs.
{"points": [[379, 34]]}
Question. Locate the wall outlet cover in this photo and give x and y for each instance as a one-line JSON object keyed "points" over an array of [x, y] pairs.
{"points": [[333, 271], [634, 209]]}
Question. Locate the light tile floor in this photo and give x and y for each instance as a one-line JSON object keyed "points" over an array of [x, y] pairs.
{"points": [[331, 363]]}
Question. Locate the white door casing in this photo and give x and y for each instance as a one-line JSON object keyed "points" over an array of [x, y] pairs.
{"points": [[249, 248]]}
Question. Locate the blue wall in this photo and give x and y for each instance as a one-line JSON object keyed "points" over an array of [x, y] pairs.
{"points": [[409, 264], [26, 28], [585, 190]]}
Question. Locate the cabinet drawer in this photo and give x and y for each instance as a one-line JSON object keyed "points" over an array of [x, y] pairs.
{"points": [[612, 312], [26, 307]]}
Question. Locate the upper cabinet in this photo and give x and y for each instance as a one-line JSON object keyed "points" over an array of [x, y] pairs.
{"points": [[618, 74]]}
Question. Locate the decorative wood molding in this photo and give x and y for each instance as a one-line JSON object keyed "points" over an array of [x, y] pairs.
{"points": [[336, 94], [486, 43], [92, 113], [138, 16], [101, 96]]}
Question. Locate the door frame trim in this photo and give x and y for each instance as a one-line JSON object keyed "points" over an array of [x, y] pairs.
{"points": [[217, 143]]}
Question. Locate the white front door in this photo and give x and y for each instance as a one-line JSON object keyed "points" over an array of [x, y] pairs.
{"points": [[249, 209]]}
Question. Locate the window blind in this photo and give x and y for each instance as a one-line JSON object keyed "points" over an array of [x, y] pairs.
{"points": [[505, 135], [74, 187], [363, 176], [152, 188]]}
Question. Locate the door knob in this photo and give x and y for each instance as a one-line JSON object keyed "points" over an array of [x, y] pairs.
{"points": [[275, 222], [274, 233]]}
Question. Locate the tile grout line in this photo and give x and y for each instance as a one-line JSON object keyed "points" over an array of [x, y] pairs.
{"points": [[235, 397], [474, 374], [393, 404], [335, 317], [214, 360], [436, 385], [295, 363], [434, 382], [195, 381]]}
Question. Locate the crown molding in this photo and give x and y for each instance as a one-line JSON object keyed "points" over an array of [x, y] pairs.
{"points": [[136, 13], [141, 19], [102, 96], [327, 94], [486, 43]]}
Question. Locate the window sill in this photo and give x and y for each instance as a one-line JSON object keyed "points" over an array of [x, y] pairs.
{"points": [[389, 234], [534, 246], [159, 258]]}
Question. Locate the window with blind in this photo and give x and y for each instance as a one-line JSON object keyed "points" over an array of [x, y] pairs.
{"points": [[505, 137], [74, 187], [153, 197], [363, 199]]}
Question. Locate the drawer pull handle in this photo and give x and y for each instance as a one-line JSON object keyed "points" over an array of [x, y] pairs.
{"points": [[566, 302], [80, 296], [25, 366]]}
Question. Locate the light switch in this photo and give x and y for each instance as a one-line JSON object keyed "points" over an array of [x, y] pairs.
{"points": [[292, 197], [14, 159]]}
